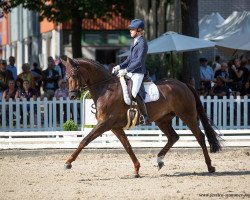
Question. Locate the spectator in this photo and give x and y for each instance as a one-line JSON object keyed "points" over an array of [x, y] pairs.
{"points": [[50, 78], [10, 92], [206, 74], [220, 89], [19, 84], [27, 92], [12, 67], [63, 92], [238, 74], [222, 72], [191, 82], [246, 72], [27, 75], [55, 66], [216, 64], [37, 73], [5, 75], [62, 67], [245, 90]]}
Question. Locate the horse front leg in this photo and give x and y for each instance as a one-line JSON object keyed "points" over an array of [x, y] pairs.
{"points": [[99, 129], [120, 134]]}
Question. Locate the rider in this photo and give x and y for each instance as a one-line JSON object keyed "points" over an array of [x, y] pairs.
{"points": [[134, 65]]}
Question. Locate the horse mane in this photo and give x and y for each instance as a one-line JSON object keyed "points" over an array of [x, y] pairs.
{"points": [[95, 63]]}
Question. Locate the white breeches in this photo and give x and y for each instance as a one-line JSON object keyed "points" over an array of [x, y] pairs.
{"points": [[137, 80]]}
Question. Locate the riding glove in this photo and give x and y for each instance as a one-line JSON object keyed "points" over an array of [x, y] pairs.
{"points": [[122, 72], [116, 69]]}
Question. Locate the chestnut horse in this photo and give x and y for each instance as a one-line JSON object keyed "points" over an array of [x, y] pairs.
{"points": [[176, 99]]}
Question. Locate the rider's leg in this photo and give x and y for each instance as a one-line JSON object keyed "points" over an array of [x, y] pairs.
{"points": [[137, 81]]}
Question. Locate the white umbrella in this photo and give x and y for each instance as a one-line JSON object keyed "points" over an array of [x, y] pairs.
{"points": [[174, 42], [171, 42], [235, 44]]}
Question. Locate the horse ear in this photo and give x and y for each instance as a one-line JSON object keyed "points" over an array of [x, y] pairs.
{"points": [[64, 60]]}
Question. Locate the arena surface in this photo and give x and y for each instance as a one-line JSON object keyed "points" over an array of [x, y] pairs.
{"points": [[108, 174]]}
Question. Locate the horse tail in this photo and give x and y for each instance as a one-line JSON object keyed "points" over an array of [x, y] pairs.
{"points": [[212, 136]]}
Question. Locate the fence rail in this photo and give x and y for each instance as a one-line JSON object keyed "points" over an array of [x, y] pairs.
{"points": [[44, 115], [39, 124]]}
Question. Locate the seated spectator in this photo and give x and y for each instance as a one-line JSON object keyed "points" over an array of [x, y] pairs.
{"points": [[191, 82], [222, 72], [220, 89], [37, 73], [206, 74], [27, 93], [19, 84], [27, 75], [245, 91], [10, 92], [62, 91]]}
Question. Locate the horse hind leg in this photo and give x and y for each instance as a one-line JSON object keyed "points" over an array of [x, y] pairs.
{"points": [[192, 123], [165, 125]]}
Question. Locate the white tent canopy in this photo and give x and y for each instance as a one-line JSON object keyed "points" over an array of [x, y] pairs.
{"points": [[235, 44], [237, 23], [209, 23]]}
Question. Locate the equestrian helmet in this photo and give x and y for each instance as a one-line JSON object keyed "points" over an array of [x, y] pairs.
{"points": [[136, 23]]}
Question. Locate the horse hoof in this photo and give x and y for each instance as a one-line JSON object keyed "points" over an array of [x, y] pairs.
{"points": [[137, 176], [68, 166], [211, 169], [160, 165]]}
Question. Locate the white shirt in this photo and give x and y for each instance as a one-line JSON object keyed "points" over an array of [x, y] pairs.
{"points": [[136, 39]]}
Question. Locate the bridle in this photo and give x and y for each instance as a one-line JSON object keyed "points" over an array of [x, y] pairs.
{"points": [[73, 69]]}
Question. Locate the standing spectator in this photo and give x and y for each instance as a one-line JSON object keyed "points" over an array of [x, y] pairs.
{"points": [[55, 67], [12, 67], [27, 75], [37, 73], [216, 64], [5, 75], [238, 74], [206, 74], [50, 78]]}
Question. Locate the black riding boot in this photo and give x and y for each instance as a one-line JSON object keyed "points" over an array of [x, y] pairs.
{"points": [[143, 109]]}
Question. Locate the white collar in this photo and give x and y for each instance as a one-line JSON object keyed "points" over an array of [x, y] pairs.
{"points": [[136, 39]]}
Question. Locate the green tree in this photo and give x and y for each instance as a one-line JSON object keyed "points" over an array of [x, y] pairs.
{"points": [[74, 11]]}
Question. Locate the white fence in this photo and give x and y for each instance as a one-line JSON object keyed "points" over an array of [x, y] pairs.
{"points": [[47, 115], [39, 124]]}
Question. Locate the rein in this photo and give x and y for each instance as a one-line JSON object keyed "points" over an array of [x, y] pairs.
{"points": [[74, 70]]}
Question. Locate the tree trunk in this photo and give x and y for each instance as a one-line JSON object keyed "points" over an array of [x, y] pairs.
{"points": [[76, 37], [189, 13]]}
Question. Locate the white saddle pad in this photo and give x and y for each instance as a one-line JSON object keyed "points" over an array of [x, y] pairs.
{"points": [[152, 92]]}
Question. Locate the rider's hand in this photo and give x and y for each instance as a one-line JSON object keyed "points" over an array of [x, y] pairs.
{"points": [[116, 69], [122, 72]]}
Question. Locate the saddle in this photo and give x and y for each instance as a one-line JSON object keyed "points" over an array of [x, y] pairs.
{"points": [[148, 91]]}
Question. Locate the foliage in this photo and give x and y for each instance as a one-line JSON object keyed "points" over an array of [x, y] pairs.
{"points": [[70, 125], [74, 11], [160, 65]]}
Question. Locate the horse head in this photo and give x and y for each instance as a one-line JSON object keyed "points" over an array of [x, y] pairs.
{"points": [[84, 74]]}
